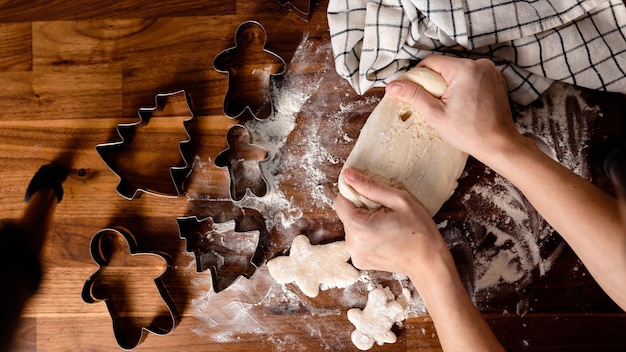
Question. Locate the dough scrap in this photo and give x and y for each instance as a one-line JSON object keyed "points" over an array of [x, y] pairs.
{"points": [[398, 147], [373, 323], [314, 267]]}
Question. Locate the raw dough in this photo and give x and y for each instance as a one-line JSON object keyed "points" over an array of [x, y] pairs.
{"points": [[312, 267], [374, 322], [398, 147]]}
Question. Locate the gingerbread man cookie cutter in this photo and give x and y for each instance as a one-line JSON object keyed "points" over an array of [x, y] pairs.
{"points": [[251, 69], [243, 159], [114, 282]]}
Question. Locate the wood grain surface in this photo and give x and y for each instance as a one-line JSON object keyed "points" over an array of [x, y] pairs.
{"points": [[71, 72]]}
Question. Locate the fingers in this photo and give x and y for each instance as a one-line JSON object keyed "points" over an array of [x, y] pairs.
{"points": [[352, 217], [343, 207], [349, 213], [444, 65], [371, 189], [449, 67], [416, 96]]}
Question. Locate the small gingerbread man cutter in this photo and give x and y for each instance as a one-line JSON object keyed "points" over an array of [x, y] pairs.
{"points": [[242, 158]]}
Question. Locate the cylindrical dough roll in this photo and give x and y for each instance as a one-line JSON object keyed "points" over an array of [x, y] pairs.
{"points": [[398, 147]]}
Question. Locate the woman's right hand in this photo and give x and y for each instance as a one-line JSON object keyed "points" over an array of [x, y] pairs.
{"points": [[399, 237]]}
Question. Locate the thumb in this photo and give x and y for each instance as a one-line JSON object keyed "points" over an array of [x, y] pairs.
{"points": [[369, 188], [415, 95]]}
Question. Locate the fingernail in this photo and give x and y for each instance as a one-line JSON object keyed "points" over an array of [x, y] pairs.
{"points": [[351, 175], [394, 88]]}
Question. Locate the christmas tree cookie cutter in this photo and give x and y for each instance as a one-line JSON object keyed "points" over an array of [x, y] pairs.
{"points": [[228, 249], [301, 8], [242, 158], [141, 160], [135, 306], [251, 69]]}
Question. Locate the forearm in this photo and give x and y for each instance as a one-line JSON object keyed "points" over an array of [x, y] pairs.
{"points": [[460, 326], [585, 216]]}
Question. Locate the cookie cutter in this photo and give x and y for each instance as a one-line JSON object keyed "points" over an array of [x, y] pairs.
{"points": [[250, 68], [219, 248], [301, 8], [97, 288], [242, 158], [134, 171]]}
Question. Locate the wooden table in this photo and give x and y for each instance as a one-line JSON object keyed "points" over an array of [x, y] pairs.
{"points": [[72, 71]]}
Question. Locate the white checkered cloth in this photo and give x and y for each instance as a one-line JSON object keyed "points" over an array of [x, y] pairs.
{"points": [[582, 42]]}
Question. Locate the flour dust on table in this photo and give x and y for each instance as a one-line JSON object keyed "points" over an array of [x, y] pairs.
{"points": [[505, 243], [502, 241]]}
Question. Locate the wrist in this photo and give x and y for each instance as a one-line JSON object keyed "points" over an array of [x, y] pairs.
{"points": [[434, 275], [499, 150]]}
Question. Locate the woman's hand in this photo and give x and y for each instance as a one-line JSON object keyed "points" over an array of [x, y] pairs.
{"points": [[399, 237], [473, 114]]}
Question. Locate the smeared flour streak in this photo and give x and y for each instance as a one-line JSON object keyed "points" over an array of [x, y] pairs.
{"points": [[507, 246]]}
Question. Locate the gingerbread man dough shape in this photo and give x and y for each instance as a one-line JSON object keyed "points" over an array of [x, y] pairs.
{"points": [[314, 267], [374, 322]]}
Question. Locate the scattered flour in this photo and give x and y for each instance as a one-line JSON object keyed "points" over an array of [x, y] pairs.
{"points": [[504, 249], [507, 238], [291, 97], [242, 307]]}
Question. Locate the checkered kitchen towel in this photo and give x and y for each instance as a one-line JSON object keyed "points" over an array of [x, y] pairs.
{"points": [[582, 42]]}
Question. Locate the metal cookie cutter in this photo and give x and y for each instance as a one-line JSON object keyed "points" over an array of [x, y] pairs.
{"points": [[301, 8], [141, 159], [250, 68], [130, 301], [243, 162], [221, 248]]}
